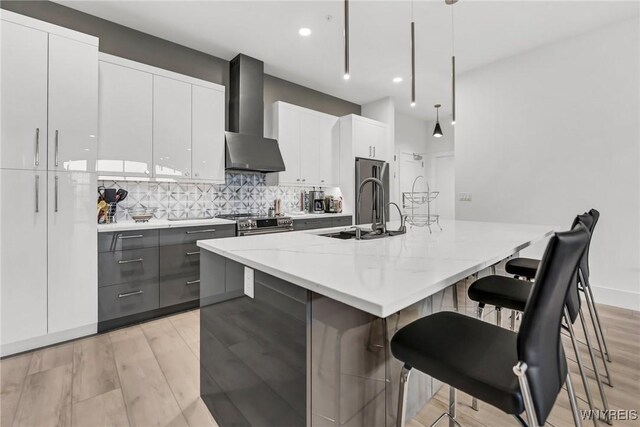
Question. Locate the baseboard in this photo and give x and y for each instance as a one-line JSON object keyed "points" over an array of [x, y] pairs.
{"points": [[47, 340], [617, 297]]}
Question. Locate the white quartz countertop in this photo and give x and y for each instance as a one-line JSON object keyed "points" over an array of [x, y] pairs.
{"points": [[386, 275], [160, 223], [297, 215]]}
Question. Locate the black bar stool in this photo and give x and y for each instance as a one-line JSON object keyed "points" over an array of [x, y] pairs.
{"points": [[515, 372], [513, 294], [527, 267]]}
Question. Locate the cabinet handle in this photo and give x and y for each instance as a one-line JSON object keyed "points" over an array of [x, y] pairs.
{"points": [[37, 159], [135, 236], [303, 180], [298, 179], [192, 253], [193, 282], [37, 193], [55, 199], [56, 154], [129, 261], [130, 294], [322, 180], [211, 230], [374, 151]]}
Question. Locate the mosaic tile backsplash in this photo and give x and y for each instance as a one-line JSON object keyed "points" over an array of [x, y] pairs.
{"points": [[241, 193]]}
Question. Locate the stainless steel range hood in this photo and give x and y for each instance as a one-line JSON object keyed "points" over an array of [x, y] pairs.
{"points": [[246, 147]]}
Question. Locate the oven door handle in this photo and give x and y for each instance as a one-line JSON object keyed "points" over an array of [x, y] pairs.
{"points": [[265, 231]]}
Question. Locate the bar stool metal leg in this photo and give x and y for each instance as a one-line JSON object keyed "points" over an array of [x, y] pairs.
{"points": [[596, 320], [573, 401], [402, 395], [595, 367], [456, 306], [474, 401], [452, 407], [581, 368], [520, 370]]}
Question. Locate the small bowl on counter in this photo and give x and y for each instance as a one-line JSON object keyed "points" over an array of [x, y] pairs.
{"points": [[141, 215]]}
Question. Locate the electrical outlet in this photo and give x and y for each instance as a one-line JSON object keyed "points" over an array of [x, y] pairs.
{"points": [[248, 282], [464, 197]]}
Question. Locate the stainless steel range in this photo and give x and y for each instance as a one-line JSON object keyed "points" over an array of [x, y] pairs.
{"points": [[248, 224]]}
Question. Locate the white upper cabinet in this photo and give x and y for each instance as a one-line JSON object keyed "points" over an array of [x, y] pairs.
{"points": [[329, 150], [309, 148], [126, 121], [73, 105], [24, 97], [369, 138], [287, 126], [171, 128], [207, 133], [309, 145], [156, 123]]}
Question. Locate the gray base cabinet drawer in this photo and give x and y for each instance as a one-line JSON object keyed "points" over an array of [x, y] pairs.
{"points": [[127, 266], [179, 289], [126, 299], [125, 240], [179, 260], [341, 221], [182, 235], [311, 223]]}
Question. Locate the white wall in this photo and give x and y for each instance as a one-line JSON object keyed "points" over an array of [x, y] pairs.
{"points": [[553, 132]]}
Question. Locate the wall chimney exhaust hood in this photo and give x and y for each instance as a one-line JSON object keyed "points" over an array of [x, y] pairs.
{"points": [[246, 147]]}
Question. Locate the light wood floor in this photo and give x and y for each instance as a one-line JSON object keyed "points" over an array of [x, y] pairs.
{"points": [[148, 375]]}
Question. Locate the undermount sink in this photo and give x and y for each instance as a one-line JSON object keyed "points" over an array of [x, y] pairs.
{"points": [[366, 235]]}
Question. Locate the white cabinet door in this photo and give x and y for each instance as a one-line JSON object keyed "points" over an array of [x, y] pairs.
{"points": [[73, 105], [288, 125], [309, 148], [329, 150], [73, 251], [23, 142], [171, 127], [369, 139], [207, 138], [125, 121], [23, 254]]}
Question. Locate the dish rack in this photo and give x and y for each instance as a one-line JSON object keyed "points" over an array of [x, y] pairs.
{"points": [[417, 206]]}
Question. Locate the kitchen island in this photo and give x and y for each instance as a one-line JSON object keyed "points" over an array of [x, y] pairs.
{"points": [[295, 327]]}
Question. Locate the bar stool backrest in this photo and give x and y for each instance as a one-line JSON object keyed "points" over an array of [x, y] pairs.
{"points": [[573, 298], [584, 262], [538, 340]]}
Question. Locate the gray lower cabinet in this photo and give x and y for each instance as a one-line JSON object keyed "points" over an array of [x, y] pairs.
{"points": [[126, 299], [146, 273], [179, 274], [315, 223]]}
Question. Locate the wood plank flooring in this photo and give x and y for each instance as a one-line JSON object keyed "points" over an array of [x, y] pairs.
{"points": [[148, 375]]}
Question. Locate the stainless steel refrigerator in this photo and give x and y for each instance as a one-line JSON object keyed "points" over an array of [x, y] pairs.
{"points": [[371, 203]]}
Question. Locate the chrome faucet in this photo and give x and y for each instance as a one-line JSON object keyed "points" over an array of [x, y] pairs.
{"points": [[403, 227], [375, 227]]}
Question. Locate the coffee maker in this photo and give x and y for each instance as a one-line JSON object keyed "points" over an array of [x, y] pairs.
{"points": [[316, 201]]}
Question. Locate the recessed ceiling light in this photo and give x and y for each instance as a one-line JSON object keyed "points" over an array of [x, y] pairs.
{"points": [[397, 79], [304, 32]]}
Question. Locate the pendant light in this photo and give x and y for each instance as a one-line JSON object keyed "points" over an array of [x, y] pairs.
{"points": [[453, 66], [437, 131], [413, 59], [346, 39]]}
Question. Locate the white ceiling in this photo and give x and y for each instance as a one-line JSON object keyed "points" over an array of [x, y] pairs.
{"points": [[485, 31]]}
